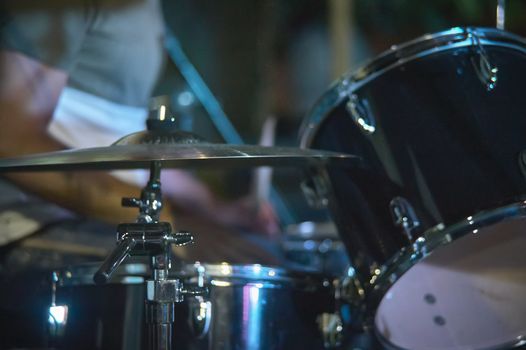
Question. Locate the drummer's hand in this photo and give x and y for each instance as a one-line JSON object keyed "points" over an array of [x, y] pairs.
{"points": [[215, 244], [246, 214], [193, 197]]}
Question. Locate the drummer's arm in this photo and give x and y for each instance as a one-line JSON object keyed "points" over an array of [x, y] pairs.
{"points": [[29, 91]]}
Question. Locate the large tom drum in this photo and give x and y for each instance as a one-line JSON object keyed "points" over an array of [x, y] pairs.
{"points": [[433, 217]]}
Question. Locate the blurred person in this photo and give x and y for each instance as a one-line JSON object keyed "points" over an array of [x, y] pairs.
{"points": [[80, 74]]}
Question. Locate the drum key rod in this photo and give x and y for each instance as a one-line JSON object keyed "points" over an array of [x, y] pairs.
{"points": [[316, 187], [404, 216], [486, 72]]}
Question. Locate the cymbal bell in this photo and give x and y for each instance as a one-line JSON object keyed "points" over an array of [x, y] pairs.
{"points": [[140, 156]]}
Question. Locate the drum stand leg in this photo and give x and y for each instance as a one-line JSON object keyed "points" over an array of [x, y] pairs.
{"points": [[160, 319], [161, 295]]}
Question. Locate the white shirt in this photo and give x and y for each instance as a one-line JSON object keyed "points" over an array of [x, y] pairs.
{"points": [[83, 120], [80, 120]]}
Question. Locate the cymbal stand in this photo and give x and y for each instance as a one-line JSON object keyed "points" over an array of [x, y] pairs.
{"points": [[148, 236]]}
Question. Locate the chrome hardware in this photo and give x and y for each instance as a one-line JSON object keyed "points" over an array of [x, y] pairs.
{"points": [[316, 188], [200, 316], [419, 249], [161, 295], [57, 314], [152, 238], [404, 216], [349, 295], [486, 72], [150, 203], [164, 290], [199, 309], [343, 86], [361, 114], [147, 236], [331, 326], [140, 239], [57, 320], [350, 289], [160, 318]]}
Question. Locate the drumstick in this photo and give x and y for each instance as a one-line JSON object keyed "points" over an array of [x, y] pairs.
{"points": [[263, 175], [340, 26], [501, 14]]}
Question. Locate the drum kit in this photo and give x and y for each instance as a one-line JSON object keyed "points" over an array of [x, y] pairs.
{"points": [[138, 298], [420, 158], [432, 214]]}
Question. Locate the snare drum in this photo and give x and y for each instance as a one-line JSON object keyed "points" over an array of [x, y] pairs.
{"points": [[247, 307], [433, 217]]}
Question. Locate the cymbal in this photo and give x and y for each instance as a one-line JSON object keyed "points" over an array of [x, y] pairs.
{"points": [[141, 156]]}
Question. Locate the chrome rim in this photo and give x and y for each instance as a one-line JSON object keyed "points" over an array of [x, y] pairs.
{"points": [[407, 257], [265, 276]]}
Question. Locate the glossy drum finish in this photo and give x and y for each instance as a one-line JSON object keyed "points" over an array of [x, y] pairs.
{"points": [[83, 315], [247, 307], [439, 126], [258, 307]]}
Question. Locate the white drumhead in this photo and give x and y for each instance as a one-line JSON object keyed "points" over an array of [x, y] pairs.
{"points": [[469, 294]]}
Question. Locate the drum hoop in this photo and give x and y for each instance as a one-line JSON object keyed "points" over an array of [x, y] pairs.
{"points": [[396, 56], [432, 239], [248, 272], [137, 273]]}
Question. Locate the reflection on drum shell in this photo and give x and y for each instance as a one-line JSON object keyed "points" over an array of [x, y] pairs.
{"points": [[440, 140], [257, 307], [252, 307], [433, 217]]}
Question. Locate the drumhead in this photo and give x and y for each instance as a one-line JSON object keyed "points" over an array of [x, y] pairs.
{"points": [[466, 295]]}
